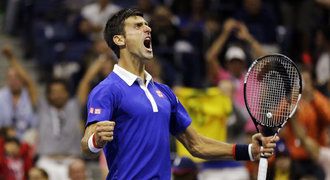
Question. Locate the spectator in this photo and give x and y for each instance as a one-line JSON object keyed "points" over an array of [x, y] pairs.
{"points": [[234, 68], [210, 110], [314, 115], [97, 14], [319, 153], [77, 170], [18, 97], [36, 173], [260, 20], [163, 41], [59, 130], [15, 160], [184, 169], [322, 68], [96, 72], [280, 167], [147, 7]]}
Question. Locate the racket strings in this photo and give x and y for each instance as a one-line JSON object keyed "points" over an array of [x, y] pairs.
{"points": [[272, 89]]}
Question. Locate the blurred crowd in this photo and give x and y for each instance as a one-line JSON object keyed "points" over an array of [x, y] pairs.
{"points": [[202, 50]]}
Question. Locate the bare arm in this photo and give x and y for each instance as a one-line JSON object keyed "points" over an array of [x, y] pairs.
{"points": [[84, 85], [203, 147], [256, 48], [206, 148], [217, 46], [24, 75], [308, 143], [103, 132]]}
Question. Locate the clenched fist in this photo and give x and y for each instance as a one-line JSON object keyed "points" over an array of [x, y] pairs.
{"points": [[103, 133], [268, 145]]}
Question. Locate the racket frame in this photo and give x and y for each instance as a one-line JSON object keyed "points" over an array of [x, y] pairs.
{"points": [[256, 123], [263, 163]]}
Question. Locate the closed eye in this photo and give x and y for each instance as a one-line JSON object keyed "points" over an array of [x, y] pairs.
{"points": [[139, 25]]}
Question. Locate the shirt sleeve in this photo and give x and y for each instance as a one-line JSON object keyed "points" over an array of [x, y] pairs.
{"points": [[100, 105], [180, 119]]}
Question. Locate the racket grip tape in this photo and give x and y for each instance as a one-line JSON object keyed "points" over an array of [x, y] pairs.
{"points": [[262, 171]]}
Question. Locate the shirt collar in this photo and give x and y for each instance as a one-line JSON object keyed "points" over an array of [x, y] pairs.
{"points": [[129, 77]]}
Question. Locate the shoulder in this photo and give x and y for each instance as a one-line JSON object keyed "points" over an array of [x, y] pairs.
{"points": [[4, 90], [164, 88], [109, 86], [167, 91]]}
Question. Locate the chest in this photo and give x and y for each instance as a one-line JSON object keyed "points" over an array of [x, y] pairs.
{"points": [[138, 101]]}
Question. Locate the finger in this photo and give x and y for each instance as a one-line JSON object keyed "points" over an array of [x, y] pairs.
{"points": [[267, 150], [257, 137], [105, 134], [105, 139], [104, 129], [270, 145], [106, 123], [267, 155], [275, 139], [272, 138]]}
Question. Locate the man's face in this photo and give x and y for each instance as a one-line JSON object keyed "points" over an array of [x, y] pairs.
{"points": [[236, 67], [138, 37], [14, 81], [58, 95], [12, 149]]}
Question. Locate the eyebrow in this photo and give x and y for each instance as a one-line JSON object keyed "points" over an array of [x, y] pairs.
{"points": [[139, 22]]}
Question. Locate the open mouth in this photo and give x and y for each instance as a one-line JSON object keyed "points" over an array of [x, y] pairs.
{"points": [[147, 43]]}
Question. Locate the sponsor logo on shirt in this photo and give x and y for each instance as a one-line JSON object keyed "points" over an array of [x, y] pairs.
{"points": [[159, 93], [94, 110], [97, 111]]}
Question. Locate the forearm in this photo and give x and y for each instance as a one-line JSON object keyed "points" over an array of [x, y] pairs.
{"points": [[83, 90], [205, 148], [26, 78], [308, 143], [213, 150], [84, 84], [321, 104], [217, 46], [257, 49]]}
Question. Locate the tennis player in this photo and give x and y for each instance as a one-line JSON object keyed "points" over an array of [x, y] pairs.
{"points": [[131, 117]]}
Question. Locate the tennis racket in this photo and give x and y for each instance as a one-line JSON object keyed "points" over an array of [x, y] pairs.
{"points": [[272, 90]]}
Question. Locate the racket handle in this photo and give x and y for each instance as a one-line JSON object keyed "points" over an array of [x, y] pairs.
{"points": [[262, 171]]}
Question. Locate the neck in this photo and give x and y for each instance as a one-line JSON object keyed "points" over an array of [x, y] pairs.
{"points": [[133, 65]]}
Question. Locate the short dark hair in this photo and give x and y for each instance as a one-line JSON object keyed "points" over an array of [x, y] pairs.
{"points": [[52, 81], [115, 26], [12, 140]]}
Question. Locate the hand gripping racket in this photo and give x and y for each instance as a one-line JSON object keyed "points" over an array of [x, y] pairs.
{"points": [[272, 90]]}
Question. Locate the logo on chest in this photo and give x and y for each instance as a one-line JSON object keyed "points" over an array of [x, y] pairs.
{"points": [[159, 93]]}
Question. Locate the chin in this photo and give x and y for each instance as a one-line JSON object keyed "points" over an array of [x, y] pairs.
{"points": [[149, 56]]}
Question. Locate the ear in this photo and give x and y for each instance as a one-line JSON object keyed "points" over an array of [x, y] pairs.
{"points": [[119, 40]]}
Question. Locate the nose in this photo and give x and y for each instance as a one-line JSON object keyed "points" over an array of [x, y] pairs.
{"points": [[147, 29]]}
